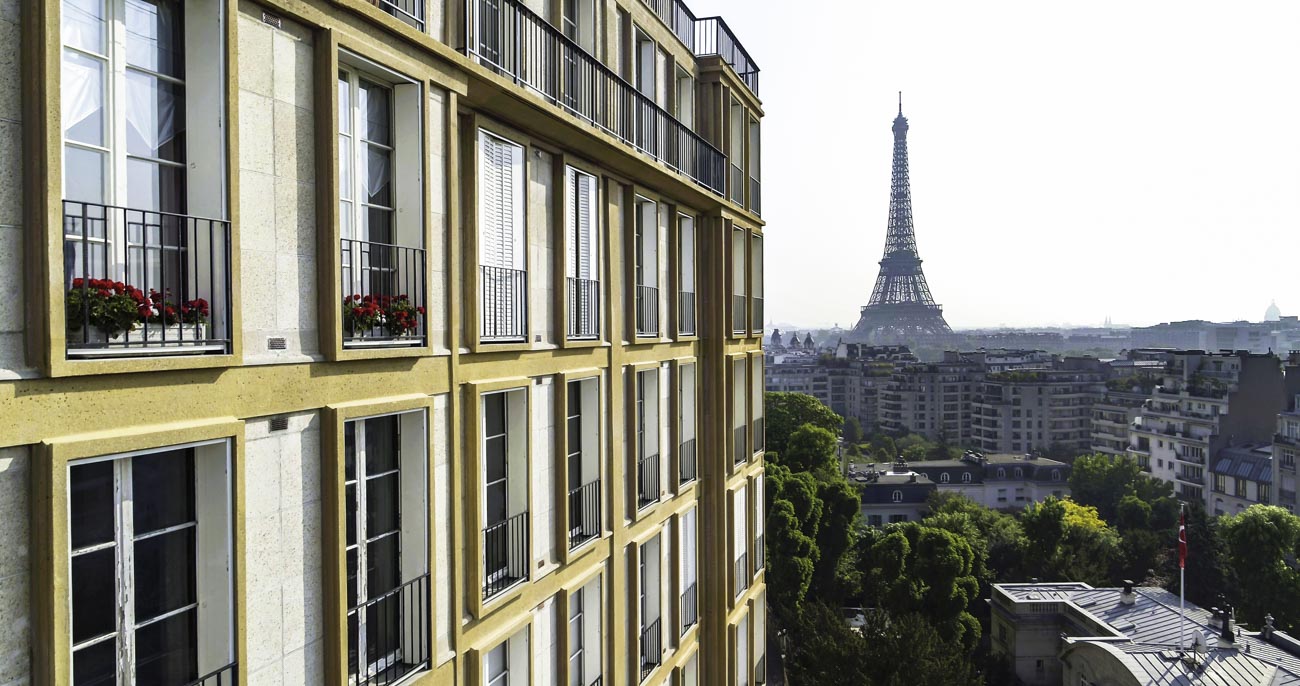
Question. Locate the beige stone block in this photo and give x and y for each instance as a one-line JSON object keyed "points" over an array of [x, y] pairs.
{"points": [[255, 57], [257, 279], [15, 629], [262, 465], [11, 179], [295, 143], [295, 217], [264, 549], [257, 211], [257, 134], [270, 675], [13, 511], [295, 279], [10, 85], [292, 70], [305, 665], [11, 272], [12, 355], [303, 606]]}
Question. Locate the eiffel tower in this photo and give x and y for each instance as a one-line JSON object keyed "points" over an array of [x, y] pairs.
{"points": [[901, 308]]}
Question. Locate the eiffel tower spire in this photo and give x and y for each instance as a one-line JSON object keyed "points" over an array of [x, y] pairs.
{"points": [[901, 307]]}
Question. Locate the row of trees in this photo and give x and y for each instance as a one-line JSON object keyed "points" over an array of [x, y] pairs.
{"points": [[924, 582]]}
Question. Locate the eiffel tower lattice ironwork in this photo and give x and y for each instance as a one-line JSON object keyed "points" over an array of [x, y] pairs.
{"points": [[901, 307]]}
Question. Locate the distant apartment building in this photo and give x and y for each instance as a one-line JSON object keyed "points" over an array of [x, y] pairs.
{"points": [[1206, 402], [1286, 441], [1241, 476], [1112, 417], [932, 399], [1047, 410], [846, 378], [898, 492]]}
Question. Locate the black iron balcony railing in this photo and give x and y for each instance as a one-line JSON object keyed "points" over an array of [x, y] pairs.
{"points": [[383, 293], [737, 183], [226, 676], [647, 311], [584, 309], [509, 38], [647, 480], [678, 17], [505, 554], [687, 469], [739, 324], [504, 306], [760, 436], [714, 37], [652, 651], [598, 681], [760, 553], [740, 448], [690, 607], [756, 315], [742, 573], [141, 281], [686, 313], [584, 513], [395, 642], [409, 11]]}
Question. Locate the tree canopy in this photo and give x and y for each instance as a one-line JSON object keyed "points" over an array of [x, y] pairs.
{"points": [[786, 412]]}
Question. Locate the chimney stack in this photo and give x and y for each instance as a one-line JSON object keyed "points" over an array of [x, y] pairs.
{"points": [[1227, 635], [1127, 596], [1267, 632]]}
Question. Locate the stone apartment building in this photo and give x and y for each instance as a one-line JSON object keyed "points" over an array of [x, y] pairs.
{"points": [[932, 399], [1286, 446], [368, 341], [848, 378], [1039, 410], [1112, 417]]}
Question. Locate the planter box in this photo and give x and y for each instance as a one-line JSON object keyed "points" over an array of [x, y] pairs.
{"points": [[155, 335]]}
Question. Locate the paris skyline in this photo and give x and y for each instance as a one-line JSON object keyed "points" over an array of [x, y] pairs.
{"points": [[1138, 166]]}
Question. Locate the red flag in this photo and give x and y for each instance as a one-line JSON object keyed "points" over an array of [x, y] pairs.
{"points": [[1182, 540]]}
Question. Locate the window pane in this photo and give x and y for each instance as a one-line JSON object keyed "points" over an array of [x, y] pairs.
{"points": [[164, 573], [382, 573], [154, 30], [496, 503], [91, 494], [494, 408], [375, 106], [383, 635], [94, 612], [83, 178], [83, 98], [352, 514], [345, 168], [155, 117], [83, 24], [352, 643], [165, 651], [350, 451], [164, 490], [381, 444], [496, 458], [345, 103], [95, 665], [382, 505], [352, 578], [155, 186], [378, 225], [378, 175]]}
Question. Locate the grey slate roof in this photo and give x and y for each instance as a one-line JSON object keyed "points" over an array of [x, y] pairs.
{"points": [[1244, 463]]}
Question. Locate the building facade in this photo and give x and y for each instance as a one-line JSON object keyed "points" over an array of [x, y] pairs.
{"points": [[1047, 410], [932, 399], [1112, 417], [898, 492], [366, 342], [848, 379]]}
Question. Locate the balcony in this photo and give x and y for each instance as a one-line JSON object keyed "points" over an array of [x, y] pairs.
{"points": [[1285, 496], [738, 323], [742, 573], [1283, 439], [145, 283], [690, 608], [510, 39], [647, 312], [651, 648], [714, 37], [383, 294], [686, 465], [505, 554], [647, 481], [226, 676], [686, 313], [504, 304], [409, 11], [396, 642], [584, 513], [584, 309]]}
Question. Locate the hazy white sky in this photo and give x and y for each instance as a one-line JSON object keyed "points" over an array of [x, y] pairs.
{"points": [[1138, 158]]}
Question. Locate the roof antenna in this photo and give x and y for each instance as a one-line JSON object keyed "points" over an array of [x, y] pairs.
{"points": [[900, 103]]}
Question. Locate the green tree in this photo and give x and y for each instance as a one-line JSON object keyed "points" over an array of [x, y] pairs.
{"points": [[791, 561], [913, 568], [883, 448], [1261, 546], [1132, 514], [1100, 481], [852, 431], [810, 449], [1069, 542], [785, 412], [1209, 575]]}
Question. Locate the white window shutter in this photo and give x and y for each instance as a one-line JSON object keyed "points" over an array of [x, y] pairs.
{"points": [[501, 200]]}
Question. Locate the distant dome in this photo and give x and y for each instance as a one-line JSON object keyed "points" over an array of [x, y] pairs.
{"points": [[1273, 313]]}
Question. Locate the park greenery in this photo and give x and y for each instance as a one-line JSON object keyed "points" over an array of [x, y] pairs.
{"points": [[923, 584]]}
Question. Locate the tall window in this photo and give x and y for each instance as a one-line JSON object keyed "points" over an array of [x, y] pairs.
{"points": [[647, 437], [689, 570], [651, 585], [742, 652], [142, 609], [686, 274], [756, 283], [736, 151], [506, 547], [644, 53], [756, 402], [685, 98], [583, 260], [739, 409], [687, 467], [646, 246], [739, 281], [755, 188], [386, 545], [582, 432], [585, 634], [740, 538], [501, 238]]}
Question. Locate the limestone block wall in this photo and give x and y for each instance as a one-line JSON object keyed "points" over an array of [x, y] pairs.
{"points": [[541, 236], [277, 187], [438, 313], [282, 515], [12, 362], [542, 509], [444, 623], [15, 616]]}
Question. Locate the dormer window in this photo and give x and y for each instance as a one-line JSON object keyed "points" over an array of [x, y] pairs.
{"points": [[898, 496]]}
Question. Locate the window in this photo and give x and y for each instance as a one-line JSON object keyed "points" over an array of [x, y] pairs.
{"points": [[1240, 488], [943, 478], [501, 239], [736, 152], [685, 100], [508, 663], [140, 150], [583, 260], [138, 527], [647, 437], [1002, 473], [1019, 473], [740, 538], [686, 407], [1056, 475], [1265, 492], [898, 496], [578, 20], [965, 477], [756, 283], [755, 194], [756, 402], [644, 54], [380, 194], [739, 409], [582, 436], [739, 310], [585, 634], [874, 520], [742, 652], [689, 570], [1221, 483], [650, 587], [897, 518], [385, 547], [506, 548], [686, 274], [646, 261]]}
